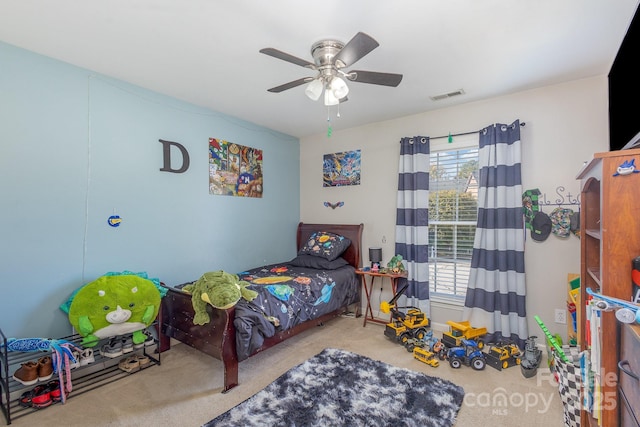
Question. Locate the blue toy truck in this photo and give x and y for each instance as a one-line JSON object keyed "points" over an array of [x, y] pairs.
{"points": [[468, 354]]}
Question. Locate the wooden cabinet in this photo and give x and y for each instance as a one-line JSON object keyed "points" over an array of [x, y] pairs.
{"points": [[609, 241]]}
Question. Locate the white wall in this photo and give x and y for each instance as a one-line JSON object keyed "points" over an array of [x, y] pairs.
{"points": [[565, 125]]}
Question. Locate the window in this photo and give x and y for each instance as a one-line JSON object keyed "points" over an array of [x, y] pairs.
{"points": [[453, 214]]}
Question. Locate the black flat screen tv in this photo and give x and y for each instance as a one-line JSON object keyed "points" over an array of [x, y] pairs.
{"points": [[624, 89]]}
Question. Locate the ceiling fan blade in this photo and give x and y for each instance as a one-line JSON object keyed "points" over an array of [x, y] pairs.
{"points": [[286, 57], [290, 85], [360, 45], [384, 79]]}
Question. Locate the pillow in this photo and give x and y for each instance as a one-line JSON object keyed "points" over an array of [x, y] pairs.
{"points": [[326, 245], [317, 262]]}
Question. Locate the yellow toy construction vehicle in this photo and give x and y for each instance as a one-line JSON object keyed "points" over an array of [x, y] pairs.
{"points": [[463, 330], [404, 326], [502, 356]]}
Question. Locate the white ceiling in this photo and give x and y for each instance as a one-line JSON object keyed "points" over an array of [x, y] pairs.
{"points": [[206, 51]]}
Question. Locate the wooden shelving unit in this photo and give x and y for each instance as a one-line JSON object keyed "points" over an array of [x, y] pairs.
{"points": [[610, 239]]}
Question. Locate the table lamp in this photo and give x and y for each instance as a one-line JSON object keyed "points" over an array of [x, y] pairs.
{"points": [[375, 256]]}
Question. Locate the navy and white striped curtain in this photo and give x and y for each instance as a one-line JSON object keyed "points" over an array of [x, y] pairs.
{"points": [[496, 290], [412, 218]]}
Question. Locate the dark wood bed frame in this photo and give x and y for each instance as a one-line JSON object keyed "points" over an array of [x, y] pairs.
{"points": [[218, 337]]}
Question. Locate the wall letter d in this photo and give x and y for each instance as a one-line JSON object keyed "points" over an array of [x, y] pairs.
{"points": [[166, 153]]}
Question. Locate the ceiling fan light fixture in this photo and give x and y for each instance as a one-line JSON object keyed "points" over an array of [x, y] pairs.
{"points": [[314, 89], [339, 87], [330, 98]]}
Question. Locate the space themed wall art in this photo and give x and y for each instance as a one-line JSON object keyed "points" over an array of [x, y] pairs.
{"points": [[340, 169], [234, 170]]}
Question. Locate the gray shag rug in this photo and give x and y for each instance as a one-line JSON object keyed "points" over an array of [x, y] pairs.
{"points": [[339, 388]]}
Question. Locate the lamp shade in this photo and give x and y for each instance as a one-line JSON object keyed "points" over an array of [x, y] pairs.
{"points": [[329, 98], [314, 89], [339, 87], [375, 254]]}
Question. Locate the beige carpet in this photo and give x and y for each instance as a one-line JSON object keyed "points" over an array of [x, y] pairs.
{"points": [[185, 389]]}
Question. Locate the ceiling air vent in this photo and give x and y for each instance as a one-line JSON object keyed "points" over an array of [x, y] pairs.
{"points": [[447, 95]]}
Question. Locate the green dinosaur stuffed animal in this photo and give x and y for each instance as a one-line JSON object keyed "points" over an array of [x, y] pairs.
{"points": [[219, 289], [395, 265], [114, 305]]}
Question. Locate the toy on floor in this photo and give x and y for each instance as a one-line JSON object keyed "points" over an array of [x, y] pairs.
{"points": [[552, 339], [425, 356], [404, 326], [503, 355], [459, 331], [531, 358], [468, 354]]}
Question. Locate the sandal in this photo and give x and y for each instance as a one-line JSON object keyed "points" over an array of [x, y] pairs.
{"points": [[142, 360], [129, 364]]}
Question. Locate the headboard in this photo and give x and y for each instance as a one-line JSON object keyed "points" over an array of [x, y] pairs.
{"points": [[353, 232]]}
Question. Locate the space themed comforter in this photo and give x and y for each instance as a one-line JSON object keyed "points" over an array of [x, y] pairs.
{"points": [[287, 296]]}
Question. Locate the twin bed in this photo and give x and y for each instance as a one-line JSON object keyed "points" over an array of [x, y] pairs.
{"points": [[320, 283]]}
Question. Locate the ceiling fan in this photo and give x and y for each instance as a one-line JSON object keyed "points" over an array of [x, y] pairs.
{"points": [[330, 58]]}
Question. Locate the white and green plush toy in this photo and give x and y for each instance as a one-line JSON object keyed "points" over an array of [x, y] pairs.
{"points": [[114, 305], [219, 289]]}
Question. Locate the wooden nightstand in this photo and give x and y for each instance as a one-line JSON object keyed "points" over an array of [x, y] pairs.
{"points": [[393, 278]]}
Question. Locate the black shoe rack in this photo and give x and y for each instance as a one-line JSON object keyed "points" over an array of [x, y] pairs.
{"points": [[84, 378]]}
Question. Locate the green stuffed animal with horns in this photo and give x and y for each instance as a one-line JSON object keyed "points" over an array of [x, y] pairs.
{"points": [[219, 289]]}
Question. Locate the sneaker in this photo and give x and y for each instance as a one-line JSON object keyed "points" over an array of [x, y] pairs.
{"points": [[87, 357], [45, 368], [53, 387], [75, 362], [127, 345], [38, 398], [147, 342], [27, 374], [112, 349]]}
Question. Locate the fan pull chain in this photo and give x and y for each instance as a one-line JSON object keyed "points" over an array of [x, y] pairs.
{"points": [[329, 128]]}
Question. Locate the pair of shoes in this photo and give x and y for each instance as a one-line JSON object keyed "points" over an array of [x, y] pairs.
{"points": [[129, 364], [31, 372], [39, 397], [87, 357], [112, 349]]}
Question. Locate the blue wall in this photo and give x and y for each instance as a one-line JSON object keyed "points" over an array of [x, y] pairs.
{"points": [[78, 147]]}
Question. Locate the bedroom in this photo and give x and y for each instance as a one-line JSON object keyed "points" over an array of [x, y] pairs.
{"points": [[65, 175]]}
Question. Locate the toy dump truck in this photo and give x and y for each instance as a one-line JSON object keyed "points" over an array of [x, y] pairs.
{"points": [[404, 326], [459, 331], [503, 355]]}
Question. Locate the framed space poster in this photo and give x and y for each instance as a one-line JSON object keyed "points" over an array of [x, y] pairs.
{"points": [[234, 170], [340, 169]]}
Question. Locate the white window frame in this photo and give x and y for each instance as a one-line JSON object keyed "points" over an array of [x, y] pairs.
{"points": [[441, 145]]}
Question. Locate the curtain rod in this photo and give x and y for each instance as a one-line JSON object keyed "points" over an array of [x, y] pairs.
{"points": [[463, 133]]}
